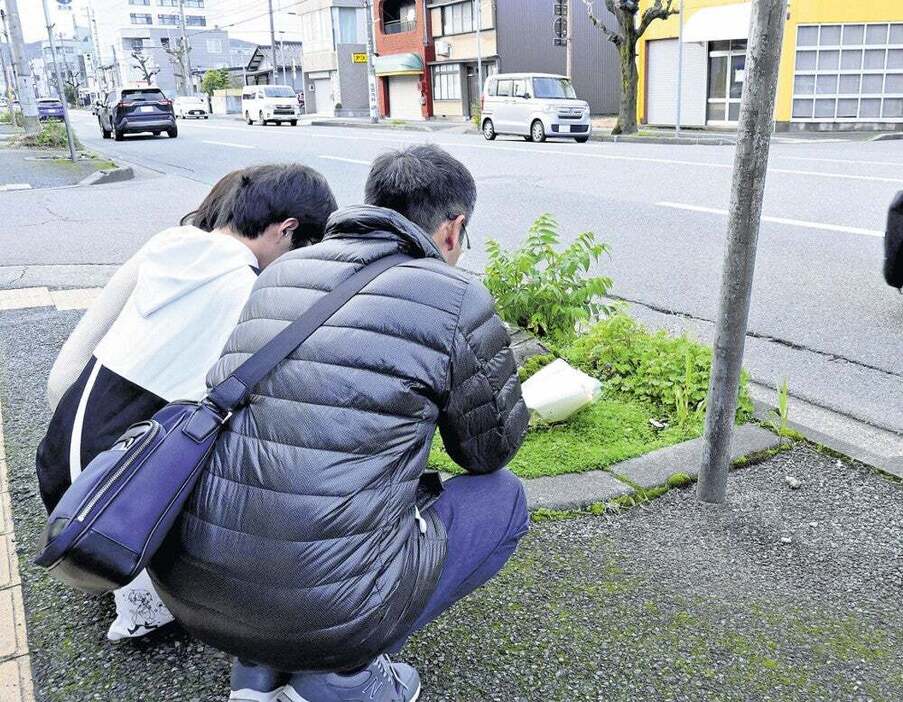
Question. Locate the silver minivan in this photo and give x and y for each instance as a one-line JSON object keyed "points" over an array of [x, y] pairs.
{"points": [[535, 106]]}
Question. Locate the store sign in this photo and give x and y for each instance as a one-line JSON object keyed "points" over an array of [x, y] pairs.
{"points": [[359, 58]]}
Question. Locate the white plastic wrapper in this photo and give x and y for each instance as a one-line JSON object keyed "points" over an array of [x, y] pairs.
{"points": [[139, 610], [559, 390]]}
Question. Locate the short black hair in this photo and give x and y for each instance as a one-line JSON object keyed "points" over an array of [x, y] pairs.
{"points": [[273, 193], [424, 183], [211, 209]]}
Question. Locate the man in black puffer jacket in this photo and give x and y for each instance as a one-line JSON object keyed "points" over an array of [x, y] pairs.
{"points": [[314, 540]]}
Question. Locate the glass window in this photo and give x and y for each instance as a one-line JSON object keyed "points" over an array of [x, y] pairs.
{"points": [[195, 21], [144, 94], [825, 108], [168, 3], [874, 58], [504, 88], [139, 2], [553, 88], [896, 34], [168, 19], [738, 64], [714, 112], [807, 36], [278, 91], [828, 60], [893, 107], [849, 85], [826, 84], [805, 60], [718, 77], [848, 107], [722, 45], [893, 84], [520, 88], [139, 19], [802, 109], [458, 18], [872, 83], [447, 82], [193, 3], [851, 60], [870, 107], [895, 58], [492, 88], [876, 34], [830, 35], [804, 85], [347, 26], [733, 111], [853, 34]]}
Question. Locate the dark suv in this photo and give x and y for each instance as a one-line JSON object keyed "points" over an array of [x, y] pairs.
{"points": [[133, 110]]}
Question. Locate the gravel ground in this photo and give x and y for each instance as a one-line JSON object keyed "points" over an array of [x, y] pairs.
{"points": [[781, 594]]}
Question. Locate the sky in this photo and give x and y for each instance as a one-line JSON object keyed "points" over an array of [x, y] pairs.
{"points": [[248, 18]]}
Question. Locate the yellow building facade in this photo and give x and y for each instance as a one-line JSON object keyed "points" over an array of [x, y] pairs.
{"points": [[841, 65]]}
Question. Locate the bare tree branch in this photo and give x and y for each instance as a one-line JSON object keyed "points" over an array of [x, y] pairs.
{"points": [[141, 63], [612, 36], [656, 11]]}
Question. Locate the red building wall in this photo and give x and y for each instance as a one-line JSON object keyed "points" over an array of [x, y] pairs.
{"points": [[418, 41]]}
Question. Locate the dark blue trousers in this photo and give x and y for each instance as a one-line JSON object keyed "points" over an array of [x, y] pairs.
{"points": [[484, 517]]}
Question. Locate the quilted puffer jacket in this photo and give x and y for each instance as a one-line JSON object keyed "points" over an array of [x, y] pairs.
{"points": [[307, 544]]}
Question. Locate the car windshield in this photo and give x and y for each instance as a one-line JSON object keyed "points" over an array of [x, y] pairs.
{"points": [[50, 102], [278, 91], [144, 95], [553, 88]]}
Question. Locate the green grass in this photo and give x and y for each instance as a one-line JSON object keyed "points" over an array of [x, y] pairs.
{"points": [[612, 430]]}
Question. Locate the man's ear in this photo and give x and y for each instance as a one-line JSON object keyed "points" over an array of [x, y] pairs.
{"points": [[288, 226]]}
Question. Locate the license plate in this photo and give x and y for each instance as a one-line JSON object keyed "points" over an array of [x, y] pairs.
{"points": [[565, 129], [146, 108]]}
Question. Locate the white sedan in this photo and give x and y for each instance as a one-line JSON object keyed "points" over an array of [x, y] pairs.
{"points": [[188, 106]]}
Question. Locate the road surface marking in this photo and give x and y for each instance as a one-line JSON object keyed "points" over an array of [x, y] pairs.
{"points": [[777, 220], [853, 162], [229, 143], [14, 186], [346, 160]]}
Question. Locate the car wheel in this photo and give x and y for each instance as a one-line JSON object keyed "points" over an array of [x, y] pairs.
{"points": [[581, 140], [293, 122], [118, 135], [537, 131], [248, 118], [206, 116], [156, 133], [172, 133], [488, 130], [263, 122], [105, 133]]}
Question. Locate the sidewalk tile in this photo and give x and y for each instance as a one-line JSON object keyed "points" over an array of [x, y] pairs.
{"points": [[6, 511], [15, 681], [574, 490], [12, 615], [74, 299], [654, 469], [9, 573], [23, 298]]}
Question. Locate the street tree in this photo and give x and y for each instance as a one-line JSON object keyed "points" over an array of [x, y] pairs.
{"points": [[178, 54], [625, 39], [143, 63], [215, 79]]}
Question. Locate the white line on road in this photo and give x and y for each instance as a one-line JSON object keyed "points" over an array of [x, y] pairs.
{"points": [[229, 143], [777, 220], [346, 160], [14, 186]]}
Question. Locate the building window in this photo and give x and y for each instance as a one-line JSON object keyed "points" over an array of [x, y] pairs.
{"points": [[195, 21], [214, 46], [447, 81], [139, 2], [136, 44], [168, 19], [199, 4], [316, 31], [168, 3], [399, 16], [350, 27], [848, 72], [139, 18], [458, 19]]}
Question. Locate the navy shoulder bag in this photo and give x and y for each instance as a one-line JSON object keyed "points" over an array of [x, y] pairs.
{"points": [[114, 517]]}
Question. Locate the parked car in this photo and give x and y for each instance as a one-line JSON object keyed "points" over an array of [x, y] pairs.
{"points": [[134, 110], [270, 103], [191, 106], [893, 243], [535, 106], [49, 108]]}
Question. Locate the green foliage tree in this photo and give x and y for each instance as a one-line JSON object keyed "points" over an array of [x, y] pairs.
{"points": [[545, 290], [215, 79]]}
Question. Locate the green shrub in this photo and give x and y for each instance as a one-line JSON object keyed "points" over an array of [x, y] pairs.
{"points": [[670, 373], [51, 136], [10, 117], [544, 290], [476, 114], [534, 364]]}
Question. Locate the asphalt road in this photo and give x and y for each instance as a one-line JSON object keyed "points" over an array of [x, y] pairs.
{"points": [[821, 315]]}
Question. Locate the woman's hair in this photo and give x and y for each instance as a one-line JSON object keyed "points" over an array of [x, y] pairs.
{"points": [[251, 199], [208, 214]]}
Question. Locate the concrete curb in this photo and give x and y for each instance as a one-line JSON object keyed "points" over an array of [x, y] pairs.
{"points": [[577, 490], [890, 136], [112, 175], [410, 127], [674, 141]]}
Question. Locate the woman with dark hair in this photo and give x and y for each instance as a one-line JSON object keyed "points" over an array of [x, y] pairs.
{"points": [[161, 323]]}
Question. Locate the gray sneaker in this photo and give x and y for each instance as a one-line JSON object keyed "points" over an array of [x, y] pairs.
{"points": [[381, 681], [255, 683]]}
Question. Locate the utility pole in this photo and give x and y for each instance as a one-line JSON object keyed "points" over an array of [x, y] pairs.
{"points": [[12, 67], [24, 79], [479, 20], [282, 53], [117, 78], [61, 87], [750, 168], [186, 47], [272, 38], [7, 81], [680, 63], [371, 69], [569, 41], [92, 24]]}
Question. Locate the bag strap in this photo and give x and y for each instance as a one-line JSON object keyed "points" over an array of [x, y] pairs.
{"points": [[235, 389]]}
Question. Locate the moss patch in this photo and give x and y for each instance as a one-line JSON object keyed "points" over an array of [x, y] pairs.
{"points": [[611, 430]]}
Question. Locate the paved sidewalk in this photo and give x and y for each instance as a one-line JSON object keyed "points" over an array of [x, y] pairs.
{"points": [[25, 169]]}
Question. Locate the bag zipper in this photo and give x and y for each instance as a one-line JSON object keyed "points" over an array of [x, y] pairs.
{"points": [[119, 471]]}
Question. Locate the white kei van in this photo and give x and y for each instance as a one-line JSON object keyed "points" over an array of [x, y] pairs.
{"points": [[270, 103], [535, 106]]}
